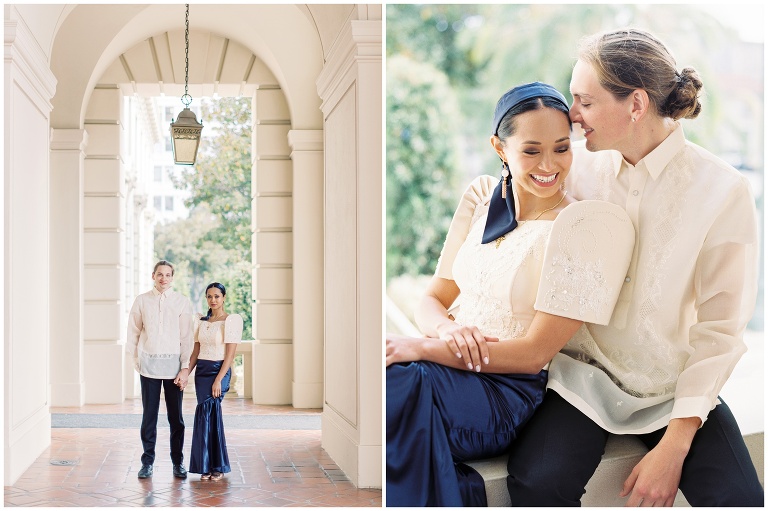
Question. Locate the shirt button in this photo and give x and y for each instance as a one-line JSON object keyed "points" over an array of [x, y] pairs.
{"points": [[627, 279], [635, 193]]}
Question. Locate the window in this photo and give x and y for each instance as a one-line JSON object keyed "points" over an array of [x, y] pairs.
{"points": [[158, 203], [168, 143], [158, 174], [169, 203], [169, 115]]}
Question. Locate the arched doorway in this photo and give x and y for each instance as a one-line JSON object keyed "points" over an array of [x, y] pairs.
{"points": [[315, 54]]}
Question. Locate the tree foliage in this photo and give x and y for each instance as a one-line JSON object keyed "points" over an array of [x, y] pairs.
{"points": [[441, 34], [485, 49], [421, 165], [214, 243]]}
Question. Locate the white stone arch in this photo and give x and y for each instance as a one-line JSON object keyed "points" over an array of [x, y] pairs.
{"points": [[87, 113], [54, 56]]}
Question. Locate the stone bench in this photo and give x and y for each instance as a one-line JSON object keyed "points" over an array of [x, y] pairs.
{"points": [[622, 453]]}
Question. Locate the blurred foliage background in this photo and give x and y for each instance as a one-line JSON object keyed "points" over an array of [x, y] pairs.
{"points": [[447, 65], [214, 243]]}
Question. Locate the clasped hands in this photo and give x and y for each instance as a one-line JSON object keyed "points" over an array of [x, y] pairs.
{"points": [[181, 379], [464, 342]]}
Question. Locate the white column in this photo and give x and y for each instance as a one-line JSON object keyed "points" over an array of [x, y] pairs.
{"points": [[272, 356], [67, 155], [29, 86], [350, 87], [104, 226], [307, 156]]}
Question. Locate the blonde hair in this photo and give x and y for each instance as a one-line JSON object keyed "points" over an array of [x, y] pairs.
{"points": [[163, 262], [630, 59]]}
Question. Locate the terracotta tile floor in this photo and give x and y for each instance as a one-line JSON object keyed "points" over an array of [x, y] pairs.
{"points": [[270, 467]]}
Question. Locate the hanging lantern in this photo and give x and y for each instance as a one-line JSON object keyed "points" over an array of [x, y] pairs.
{"points": [[186, 131]]}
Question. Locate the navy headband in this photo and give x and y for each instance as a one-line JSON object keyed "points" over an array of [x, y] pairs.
{"points": [[501, 211], [517, 95]]}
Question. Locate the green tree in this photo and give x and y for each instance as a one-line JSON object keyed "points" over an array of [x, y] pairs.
{"points": [[185, 243], [421, 165], [442, 34], [215, 241]]}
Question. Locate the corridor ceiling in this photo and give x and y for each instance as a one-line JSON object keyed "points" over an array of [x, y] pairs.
{"points": [[217, 65]]}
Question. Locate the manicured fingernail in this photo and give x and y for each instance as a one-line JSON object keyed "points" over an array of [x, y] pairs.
{"points": [[469, 366], [486, 360], [458, 355], [477, 368]]}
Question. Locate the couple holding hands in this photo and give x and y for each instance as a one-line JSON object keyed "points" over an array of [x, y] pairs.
{"points": [[167, 341]]}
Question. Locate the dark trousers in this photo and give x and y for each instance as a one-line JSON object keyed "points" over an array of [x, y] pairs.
{"points": [[150, 400], [560, 448]]}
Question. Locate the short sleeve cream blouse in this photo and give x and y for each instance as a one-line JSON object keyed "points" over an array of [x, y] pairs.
{"points": [[213, 336], [567, 259]]}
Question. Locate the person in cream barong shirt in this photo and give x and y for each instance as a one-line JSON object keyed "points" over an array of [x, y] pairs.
{"points": [[676, 333], [160, 341]]}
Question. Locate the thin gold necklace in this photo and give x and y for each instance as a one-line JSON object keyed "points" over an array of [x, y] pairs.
{"points": [[553, 207], [504, 236]]}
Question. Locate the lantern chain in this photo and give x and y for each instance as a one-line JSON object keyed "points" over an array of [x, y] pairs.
{"points": [[186, 99]]}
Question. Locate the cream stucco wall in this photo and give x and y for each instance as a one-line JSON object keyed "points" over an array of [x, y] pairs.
{"points": [[29, 86]]}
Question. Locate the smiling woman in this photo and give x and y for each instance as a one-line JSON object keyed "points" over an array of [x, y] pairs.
{"points": [[466, 390]]}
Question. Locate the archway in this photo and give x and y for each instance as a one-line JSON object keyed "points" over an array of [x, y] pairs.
{"points": [[327, 62]]}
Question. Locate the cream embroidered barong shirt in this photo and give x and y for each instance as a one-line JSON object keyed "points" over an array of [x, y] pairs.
{"points": [[160, 333], [676, 332]]}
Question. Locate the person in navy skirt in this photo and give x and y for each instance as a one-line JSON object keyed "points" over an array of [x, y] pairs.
{"points": [[216, 338], [525, 264]]}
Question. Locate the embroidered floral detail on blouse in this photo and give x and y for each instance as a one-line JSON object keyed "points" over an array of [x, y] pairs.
{"points": [[492, 314], [577, 285], [211, 339]]}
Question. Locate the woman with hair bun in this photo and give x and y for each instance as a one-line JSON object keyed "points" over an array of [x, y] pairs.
{"points": [[655, 371], [216, 338]]}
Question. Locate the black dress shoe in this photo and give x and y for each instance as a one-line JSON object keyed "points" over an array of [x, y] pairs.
{"points": [[145, 472], [179, 471]]}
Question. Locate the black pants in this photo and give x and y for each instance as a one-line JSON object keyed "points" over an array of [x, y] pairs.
{"points": [[560, 448], [150, 400]]}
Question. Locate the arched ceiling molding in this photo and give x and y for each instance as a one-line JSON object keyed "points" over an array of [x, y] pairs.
{"points": [[217, 65], [42, 20], [328, 20], [93, 37]]}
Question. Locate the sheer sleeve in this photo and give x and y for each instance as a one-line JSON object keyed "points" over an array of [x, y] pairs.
{"points": [[586, 261], [233, 328], [187, 333], [477, 193], [135, 324], [726, 280]]}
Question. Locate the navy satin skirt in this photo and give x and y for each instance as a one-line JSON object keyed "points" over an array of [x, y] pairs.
{"points": [[439, 417], [209, 448]]}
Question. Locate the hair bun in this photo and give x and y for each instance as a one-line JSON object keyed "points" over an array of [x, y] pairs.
{"points": [[683, 100]]}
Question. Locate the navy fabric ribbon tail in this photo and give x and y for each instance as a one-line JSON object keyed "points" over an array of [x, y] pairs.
{"points": [[501, 213]]}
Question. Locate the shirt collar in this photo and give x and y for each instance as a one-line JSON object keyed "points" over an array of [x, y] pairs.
{"points": [[658, 159], [155, 292]]}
